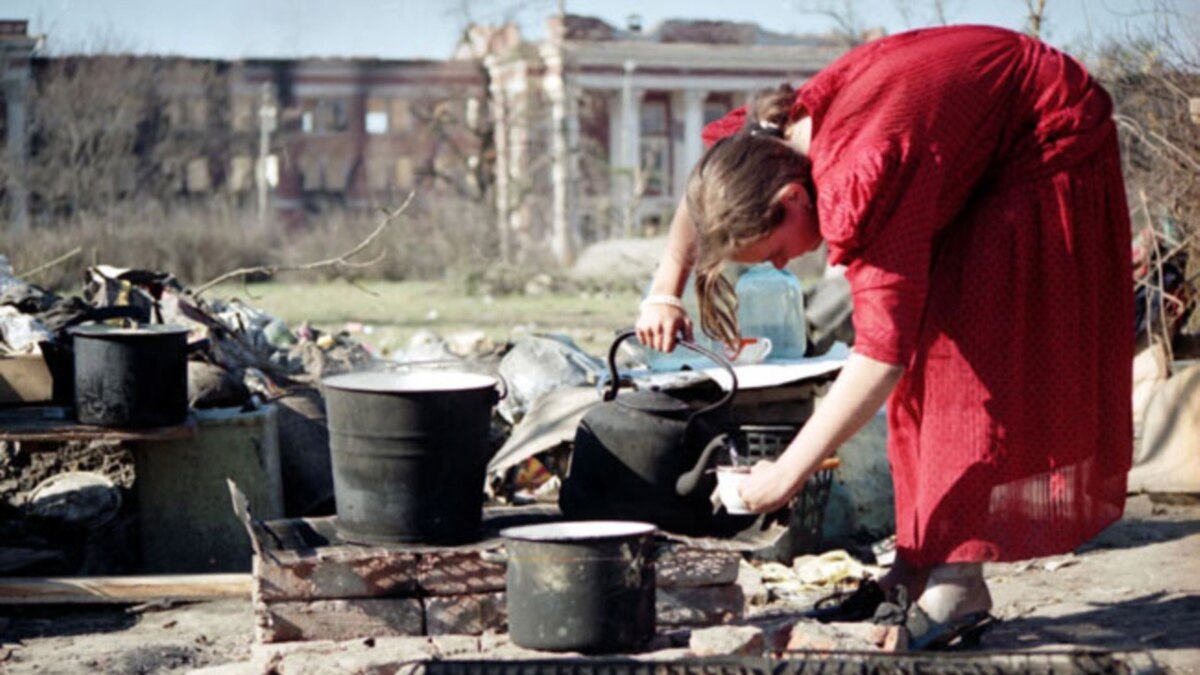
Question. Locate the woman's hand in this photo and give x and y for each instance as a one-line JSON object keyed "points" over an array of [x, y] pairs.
{"points": [[658, 326], [767, 488]]}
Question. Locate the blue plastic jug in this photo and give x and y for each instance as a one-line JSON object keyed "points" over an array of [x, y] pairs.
{"points": [[770, 305]]}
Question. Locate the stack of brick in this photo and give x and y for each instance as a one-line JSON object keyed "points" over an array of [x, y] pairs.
{"points": [[343, 591]]}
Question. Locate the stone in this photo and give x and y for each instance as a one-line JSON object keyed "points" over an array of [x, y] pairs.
{"points": [[340, 619], [751, 583], [465, 614], [700, 606], [728, 641], [445, 646], [380, 656]]}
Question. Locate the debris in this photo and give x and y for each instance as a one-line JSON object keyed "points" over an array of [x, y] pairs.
{"points": [[21, 333], [77, 499], [828, 569], [170, 624], [1057, 564], [539, 364]]}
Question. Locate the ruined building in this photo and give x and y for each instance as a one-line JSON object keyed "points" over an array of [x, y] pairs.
{"points": [[586, 134]]}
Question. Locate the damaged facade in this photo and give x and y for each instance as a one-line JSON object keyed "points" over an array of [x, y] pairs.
{"points": [[613, 116], [583, 136]]}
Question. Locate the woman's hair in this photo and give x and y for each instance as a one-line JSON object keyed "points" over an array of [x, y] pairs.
{"points": [[732, 198]]}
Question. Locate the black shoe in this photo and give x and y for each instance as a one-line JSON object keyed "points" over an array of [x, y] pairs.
{"points": [[925, 634], [844, 607]]}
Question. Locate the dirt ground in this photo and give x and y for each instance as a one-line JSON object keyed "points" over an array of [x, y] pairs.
{"points": [[1135, 587]]}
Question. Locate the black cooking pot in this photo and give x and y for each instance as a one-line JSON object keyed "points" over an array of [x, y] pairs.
{"points": [[643, 456], [409, 454], [130, 377], [580, 586]]}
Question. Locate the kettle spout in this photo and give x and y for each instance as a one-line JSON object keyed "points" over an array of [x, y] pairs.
{"points": [[687, 482]]}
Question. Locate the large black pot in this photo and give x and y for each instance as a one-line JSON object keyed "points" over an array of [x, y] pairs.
{"points": [[130, 377], [409, 454], [580, 586], [643, 455]]}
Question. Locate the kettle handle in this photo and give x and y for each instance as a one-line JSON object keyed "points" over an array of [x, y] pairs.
{"points": [[614, 378]]}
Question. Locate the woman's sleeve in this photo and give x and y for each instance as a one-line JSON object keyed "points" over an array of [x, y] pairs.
{"points": [[878, 216]]}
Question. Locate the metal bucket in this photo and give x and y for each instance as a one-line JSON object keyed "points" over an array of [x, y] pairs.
{"points": [[409, 454], [131, 377], [583, 586]]}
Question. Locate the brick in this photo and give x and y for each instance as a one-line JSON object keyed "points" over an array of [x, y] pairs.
{"points": [[681, 566], [700, 606], [335, 572], [728, 641], [473, 614], [451, 572], [829, 637], [340, 619]]}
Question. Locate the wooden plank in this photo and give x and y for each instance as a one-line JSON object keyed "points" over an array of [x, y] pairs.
{"points": [[52, 424], [25, 379], [473, 614], [126, 589], [335, 572], [339, 619]]}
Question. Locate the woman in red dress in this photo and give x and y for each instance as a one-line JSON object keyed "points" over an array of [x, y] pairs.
{"points": [[968, 178]]}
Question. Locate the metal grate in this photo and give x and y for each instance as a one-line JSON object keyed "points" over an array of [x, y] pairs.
{"points": [[825, 663], [767, 442]]}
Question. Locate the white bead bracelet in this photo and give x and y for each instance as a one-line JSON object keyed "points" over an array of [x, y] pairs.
{"points": [[669, 300]]}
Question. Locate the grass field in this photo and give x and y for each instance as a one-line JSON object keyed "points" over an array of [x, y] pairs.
{"points": [[400, 309]]}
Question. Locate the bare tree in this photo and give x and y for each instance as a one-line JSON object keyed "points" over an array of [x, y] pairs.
{"points": [[1036, 16], [848, 25], [1153, 75], [937, 13]]}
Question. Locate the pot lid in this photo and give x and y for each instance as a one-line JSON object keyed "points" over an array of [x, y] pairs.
{"points": [[579, 530], [148, 330], [410, 382]]}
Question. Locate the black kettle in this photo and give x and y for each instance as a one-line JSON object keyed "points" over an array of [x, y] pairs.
{"points": [[644, 455]]}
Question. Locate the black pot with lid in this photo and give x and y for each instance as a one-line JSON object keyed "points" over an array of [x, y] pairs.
{"points": [[130, 377]]}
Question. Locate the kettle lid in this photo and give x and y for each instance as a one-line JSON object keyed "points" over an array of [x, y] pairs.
{"points": [[655, 402]]}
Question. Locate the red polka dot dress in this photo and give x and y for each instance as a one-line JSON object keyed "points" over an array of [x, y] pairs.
{"points": [[969, 179]]}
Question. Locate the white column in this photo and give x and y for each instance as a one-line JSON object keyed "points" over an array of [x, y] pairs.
{"points": [[563, 233], [691, 146], [631, 137]]}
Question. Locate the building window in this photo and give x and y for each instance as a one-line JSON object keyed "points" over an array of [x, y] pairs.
{"points": [[338, 115], [320, 116], [716, 106], [376, 119], [401, 115], [245, 113], [655, 165]]}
